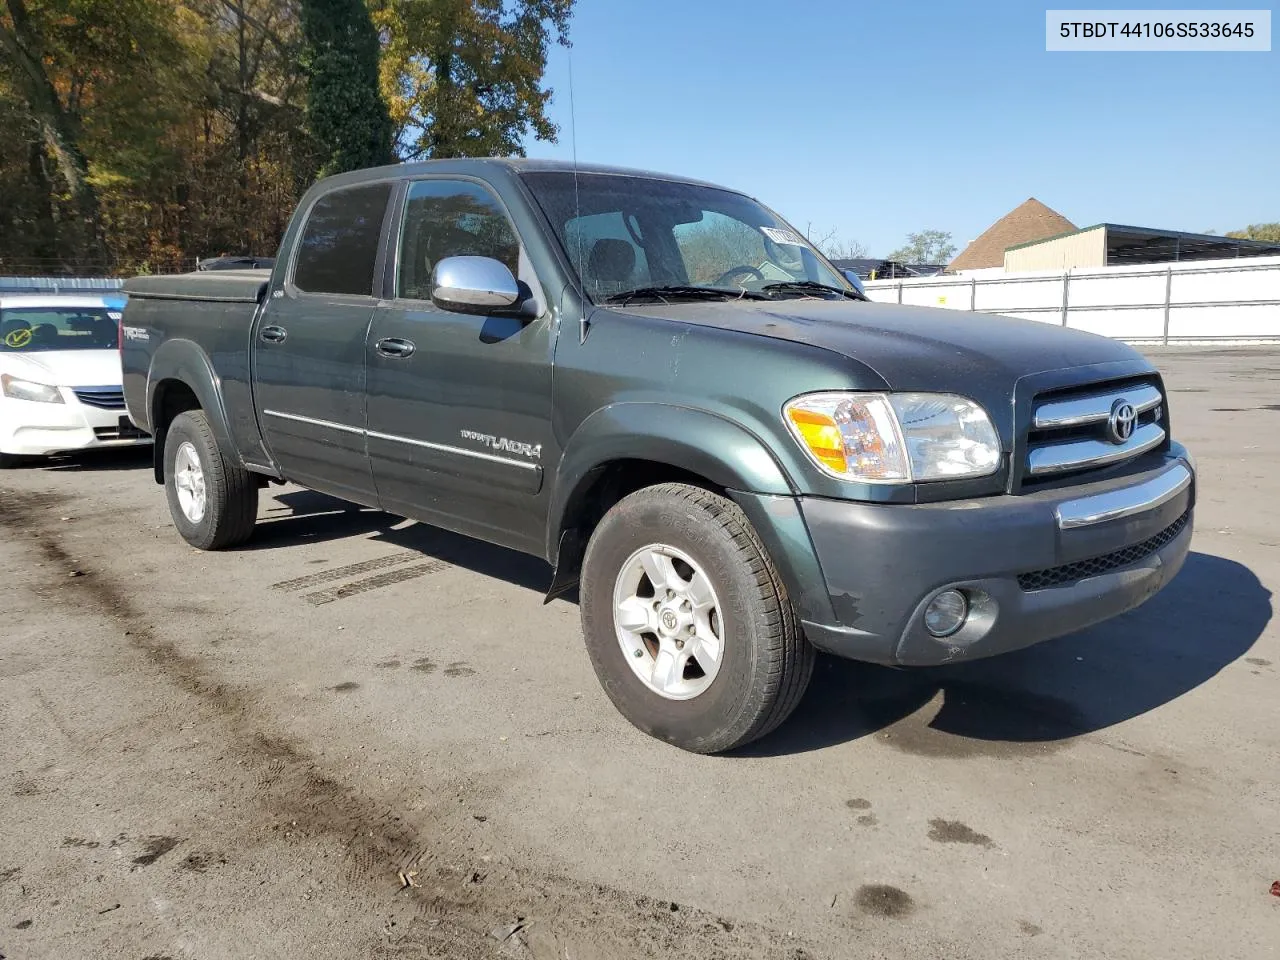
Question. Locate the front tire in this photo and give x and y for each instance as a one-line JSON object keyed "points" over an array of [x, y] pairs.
{"points": [[213, 502], [687, 622]]}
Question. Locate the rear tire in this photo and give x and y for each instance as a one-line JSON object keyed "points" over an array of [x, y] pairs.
{"points": [[213, 502], [750, 663]]}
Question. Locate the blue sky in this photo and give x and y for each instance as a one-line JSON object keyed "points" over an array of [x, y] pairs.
{"points": [[876, 119]]}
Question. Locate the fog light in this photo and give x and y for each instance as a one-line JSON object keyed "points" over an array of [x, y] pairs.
{"points": [[946, 613]]}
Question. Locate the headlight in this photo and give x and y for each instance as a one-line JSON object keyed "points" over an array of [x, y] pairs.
{"points": [[895, 437], [28, 390]]}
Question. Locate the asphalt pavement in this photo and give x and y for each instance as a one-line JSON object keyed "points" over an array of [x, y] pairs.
{"points": [[359, 736]]}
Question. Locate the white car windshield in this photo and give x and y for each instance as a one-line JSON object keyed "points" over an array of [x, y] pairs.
{"points": [[44, 329]]}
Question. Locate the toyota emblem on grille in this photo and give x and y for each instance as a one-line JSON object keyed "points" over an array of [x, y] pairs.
{"points": [[1121, 422]]}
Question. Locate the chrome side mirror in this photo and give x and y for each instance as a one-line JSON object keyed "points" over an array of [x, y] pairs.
{"points": [[855, 280], [473, 285]]}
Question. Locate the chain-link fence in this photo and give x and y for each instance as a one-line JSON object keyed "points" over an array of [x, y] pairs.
{"points": [[64, 267]]}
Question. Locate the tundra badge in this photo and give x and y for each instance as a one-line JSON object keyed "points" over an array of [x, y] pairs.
{"points": [[503, 445]]}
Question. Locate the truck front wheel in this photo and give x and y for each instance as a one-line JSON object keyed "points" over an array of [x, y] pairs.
{"points": [[213, 502], [687, 622]]}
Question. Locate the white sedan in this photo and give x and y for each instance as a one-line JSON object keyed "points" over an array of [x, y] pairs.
{"points": [[60, 380]]}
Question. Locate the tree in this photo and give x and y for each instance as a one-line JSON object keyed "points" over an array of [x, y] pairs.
{"points": [[23, 41], [139, 135], [346, 114], [463, 78], [927, 246], [833, 247], [101, 83], [1258, 231], [844, 250]]}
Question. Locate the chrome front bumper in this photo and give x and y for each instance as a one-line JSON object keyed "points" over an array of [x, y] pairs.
{"points": [[1125, 502]]}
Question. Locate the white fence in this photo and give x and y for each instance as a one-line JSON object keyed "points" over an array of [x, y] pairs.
{"points": [[1237, 299]]}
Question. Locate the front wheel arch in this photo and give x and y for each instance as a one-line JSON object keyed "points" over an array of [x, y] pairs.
{"points": [[709, 449]]}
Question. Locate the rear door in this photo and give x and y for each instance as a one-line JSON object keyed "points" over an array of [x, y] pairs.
{"points": [[459, 408], [309, 346]]}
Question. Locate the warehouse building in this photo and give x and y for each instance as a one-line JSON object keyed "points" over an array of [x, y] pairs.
{"points": [[1110, 245], [1033, 236]]}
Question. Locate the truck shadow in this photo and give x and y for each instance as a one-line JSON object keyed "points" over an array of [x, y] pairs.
{"points": [[1032, 701], [300, 516], [303, 516], [94, 461], [1037, 700]]}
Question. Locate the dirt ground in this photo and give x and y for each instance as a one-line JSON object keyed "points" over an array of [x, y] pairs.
{"points": [[361, 737]]}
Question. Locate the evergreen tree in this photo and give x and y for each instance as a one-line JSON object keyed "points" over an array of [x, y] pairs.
{"points": [[346, 115]]}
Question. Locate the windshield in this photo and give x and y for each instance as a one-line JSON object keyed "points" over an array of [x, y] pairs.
{"points": [[43, 329], [625, 233]]}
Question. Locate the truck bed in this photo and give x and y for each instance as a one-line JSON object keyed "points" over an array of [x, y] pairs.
{"points": [[220, 286], [176, 322]]}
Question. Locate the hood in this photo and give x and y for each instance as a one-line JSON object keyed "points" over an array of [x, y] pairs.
{"points": [[911, 348], [66, 368]]}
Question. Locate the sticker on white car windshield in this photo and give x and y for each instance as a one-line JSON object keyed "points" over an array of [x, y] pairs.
{"points": [[783, 236]]}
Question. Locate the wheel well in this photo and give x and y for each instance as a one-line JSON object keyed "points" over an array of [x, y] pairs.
{"points": [[171, 398], [595, 494]]}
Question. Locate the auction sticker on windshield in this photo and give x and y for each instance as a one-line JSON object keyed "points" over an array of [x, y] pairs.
{"points": [[783, 236]]}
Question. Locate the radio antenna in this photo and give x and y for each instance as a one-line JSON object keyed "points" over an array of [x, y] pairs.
{"points": [[577, 207]]}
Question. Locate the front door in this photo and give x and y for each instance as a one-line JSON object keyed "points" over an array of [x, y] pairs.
{"points": [[309, 347], [459, 406]]}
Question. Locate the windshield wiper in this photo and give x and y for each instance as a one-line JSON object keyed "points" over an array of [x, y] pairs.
{"points": [[812, 286], [681, 292]]}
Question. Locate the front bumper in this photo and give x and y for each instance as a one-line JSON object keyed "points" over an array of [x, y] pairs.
{"points": [[39, 429], [1034, 566]]}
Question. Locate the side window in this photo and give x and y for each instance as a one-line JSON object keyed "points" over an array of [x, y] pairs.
{"points": [[612, 260], [339, 243], [451, 218]]}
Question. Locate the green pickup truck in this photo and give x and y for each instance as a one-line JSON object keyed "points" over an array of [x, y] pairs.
{"points": [[662, 389]]}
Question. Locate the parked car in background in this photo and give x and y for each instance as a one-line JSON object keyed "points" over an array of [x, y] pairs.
{"points": [[237, 263], [60, 385]]}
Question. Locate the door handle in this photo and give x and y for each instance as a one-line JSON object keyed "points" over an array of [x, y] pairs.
{"points": [[273, 334], [395, 347]]}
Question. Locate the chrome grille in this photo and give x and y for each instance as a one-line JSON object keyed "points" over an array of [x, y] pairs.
{"points": [[104, 398], [1072, 433], [1095, 566]]}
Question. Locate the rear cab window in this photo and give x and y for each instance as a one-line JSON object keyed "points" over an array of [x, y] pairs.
{"points": [[338, 248]]}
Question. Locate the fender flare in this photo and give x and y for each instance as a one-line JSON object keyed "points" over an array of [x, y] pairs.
{"points": [[186, 362], [704, 443]]}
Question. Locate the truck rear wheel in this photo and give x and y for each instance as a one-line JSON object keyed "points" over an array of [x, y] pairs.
{"points": [[687, 622], [213, 502]]}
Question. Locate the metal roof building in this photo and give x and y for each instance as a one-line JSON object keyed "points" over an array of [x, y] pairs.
{"points": [[874, 268], [1112, 244]]}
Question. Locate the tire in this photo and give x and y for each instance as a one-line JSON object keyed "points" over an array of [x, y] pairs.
{"points": [[764, 661], [230, 493]]}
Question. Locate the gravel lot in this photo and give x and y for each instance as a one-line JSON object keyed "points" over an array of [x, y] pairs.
{"points": [[237, 755]]}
